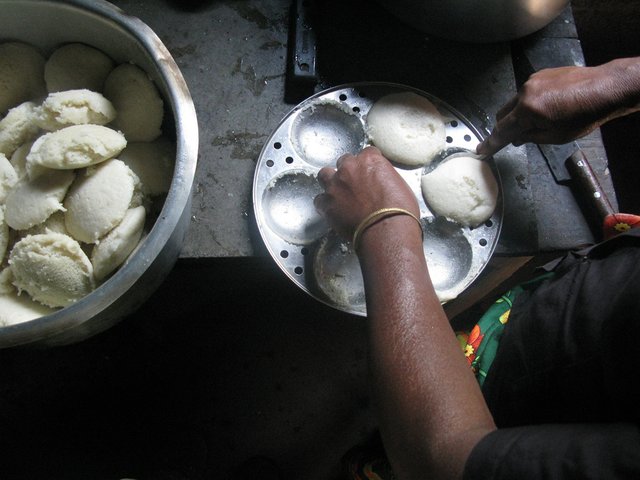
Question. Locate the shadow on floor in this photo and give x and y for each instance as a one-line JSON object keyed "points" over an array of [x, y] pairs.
{"points": [[204, 376]]}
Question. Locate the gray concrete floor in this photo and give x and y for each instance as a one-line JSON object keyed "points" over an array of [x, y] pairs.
{"points": [[240, 365]]}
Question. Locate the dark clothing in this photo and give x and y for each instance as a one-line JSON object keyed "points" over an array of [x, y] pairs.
{"points": [[563, 388], [576, 451]]}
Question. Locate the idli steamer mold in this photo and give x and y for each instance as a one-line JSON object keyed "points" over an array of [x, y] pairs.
{"points": [[314, 134]]}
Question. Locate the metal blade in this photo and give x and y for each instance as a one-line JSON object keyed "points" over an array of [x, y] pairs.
{"points": [[556, 156]]}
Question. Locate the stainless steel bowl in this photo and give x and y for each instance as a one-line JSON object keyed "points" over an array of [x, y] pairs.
{"points": [[47, 24], [478, 21]]}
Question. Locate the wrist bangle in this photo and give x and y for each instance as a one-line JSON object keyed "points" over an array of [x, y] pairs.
{"points": [[377, 216]]}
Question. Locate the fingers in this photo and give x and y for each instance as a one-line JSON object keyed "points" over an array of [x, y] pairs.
{"points": [[325, 175], [491, 144], [320, 203], [511, 128], [503, 131], [365, 155], [507, 108], [371, 150], [359, 185], [342, 159]]}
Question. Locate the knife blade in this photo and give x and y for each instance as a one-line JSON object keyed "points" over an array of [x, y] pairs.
{"points": [[556, 157], [569, 165]]}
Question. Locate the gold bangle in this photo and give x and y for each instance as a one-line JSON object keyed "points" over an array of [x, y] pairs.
{"points": [[377, 216]]}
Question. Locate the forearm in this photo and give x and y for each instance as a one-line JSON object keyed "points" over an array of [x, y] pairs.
{"points": [[430, 407], [624, 84]]}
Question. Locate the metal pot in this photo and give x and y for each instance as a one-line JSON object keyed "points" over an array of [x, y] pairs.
{"points": [[478, 21], [47, 24]]}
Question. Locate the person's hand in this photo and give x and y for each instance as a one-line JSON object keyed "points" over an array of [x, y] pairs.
{"points": [[360, 185], [559, 105]]}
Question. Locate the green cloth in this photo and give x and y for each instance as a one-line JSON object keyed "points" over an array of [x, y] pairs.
{"points": [[480, 345]]}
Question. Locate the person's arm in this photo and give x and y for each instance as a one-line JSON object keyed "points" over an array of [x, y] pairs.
{"points": [[558, 105], [430, 408]]}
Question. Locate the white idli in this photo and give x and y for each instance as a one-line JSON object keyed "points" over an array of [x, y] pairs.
{"points": [[115, 247], [18, 127], [21, 74], [32, 201], [55, 223], [77, 146], [4, 236], [6, 281], [99, 199], [8, 177], [16, 309], [75, 66], [74, 107], [152, 162], [19, 160], [462, 189], [52, 268], [137, 101], [407, 128]]}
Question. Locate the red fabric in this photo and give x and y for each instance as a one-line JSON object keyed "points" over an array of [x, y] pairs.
{"points": [[618, 223]]}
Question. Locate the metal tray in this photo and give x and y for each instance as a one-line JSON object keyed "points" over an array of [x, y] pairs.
{"points": [[314, 135]]}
